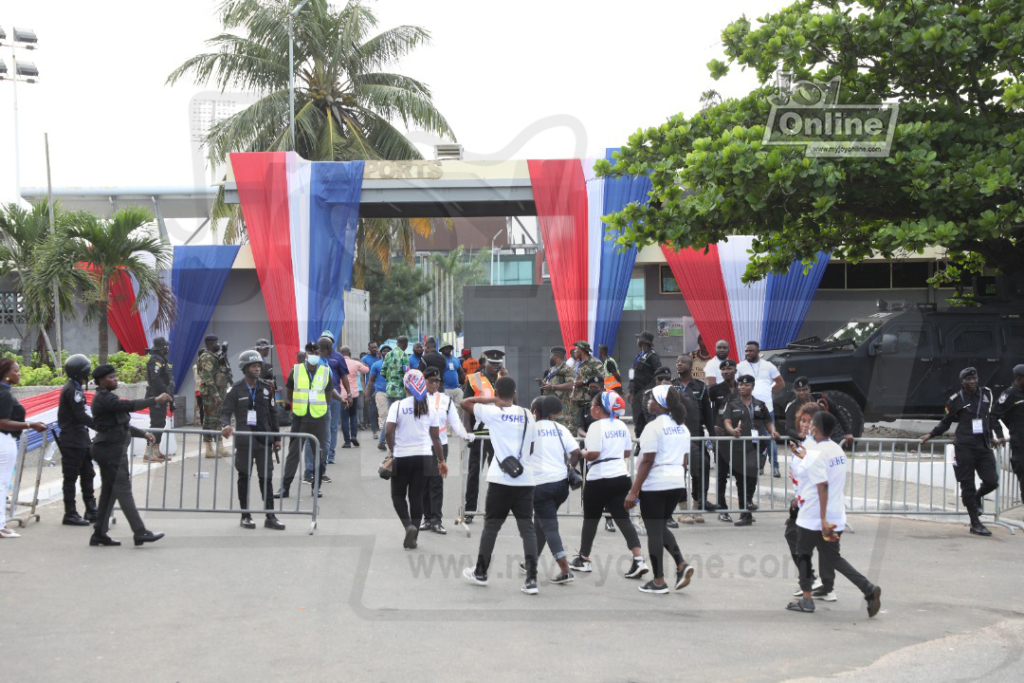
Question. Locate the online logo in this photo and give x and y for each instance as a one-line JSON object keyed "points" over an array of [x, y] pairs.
{"points": [[808, 114]]}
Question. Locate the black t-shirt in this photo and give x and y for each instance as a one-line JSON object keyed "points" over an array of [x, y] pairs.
{"points": [[10, 409], [433, 359]]}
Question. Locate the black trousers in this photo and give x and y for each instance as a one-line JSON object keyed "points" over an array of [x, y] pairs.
{"points": [[473, 481], [433, 491], [1017, 465], [599, 494], [158, 420], [971, 461], [117, 485], [790, 535], [75, 464], [656, 509], [700, 472], [263, 457], [807, 540], [639, 416], [502, 499], [407, 484], [317, 426]]}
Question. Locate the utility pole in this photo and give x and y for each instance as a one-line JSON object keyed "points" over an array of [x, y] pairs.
{"points": [[58, 335]]}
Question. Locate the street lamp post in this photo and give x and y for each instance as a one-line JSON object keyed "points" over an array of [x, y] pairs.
{"points": [[25, 72], [291, 70]]}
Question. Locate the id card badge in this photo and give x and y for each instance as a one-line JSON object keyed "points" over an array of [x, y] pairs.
{"points": [[250, 418], [976, 426], [631, 373]]}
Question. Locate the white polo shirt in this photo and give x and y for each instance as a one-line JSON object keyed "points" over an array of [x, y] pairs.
{"points": [[764, 373]]}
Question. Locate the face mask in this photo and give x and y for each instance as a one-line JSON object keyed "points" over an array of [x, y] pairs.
{"points": [[313, 360]]}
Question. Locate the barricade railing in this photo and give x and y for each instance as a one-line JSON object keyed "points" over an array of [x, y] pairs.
{"points": [[1009, 494], [196, 483], [885, 476]]}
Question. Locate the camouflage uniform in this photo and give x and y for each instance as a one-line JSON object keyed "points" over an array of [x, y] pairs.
{"points": [[588, 370], [213, 386], [561, 375]]}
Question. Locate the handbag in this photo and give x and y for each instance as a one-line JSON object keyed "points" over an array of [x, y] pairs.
{"points": [[573, 475], [386, 468], [513, 466]]}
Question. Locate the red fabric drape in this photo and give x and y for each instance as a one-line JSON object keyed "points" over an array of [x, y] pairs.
{"points": [[262, 180], [122, 316], [700, 278], [560, 193]]}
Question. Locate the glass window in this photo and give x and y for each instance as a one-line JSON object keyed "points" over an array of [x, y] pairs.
{"points": [[975, 341], [516, 272], [635, 300], [668, 281], [910, 275], [910, 340], [868, 276], [834, 276], [856, 332]]}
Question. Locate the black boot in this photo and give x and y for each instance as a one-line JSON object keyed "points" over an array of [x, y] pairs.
{"points": [[90, 511], [71, 517], [977, 528], [746, 519]]}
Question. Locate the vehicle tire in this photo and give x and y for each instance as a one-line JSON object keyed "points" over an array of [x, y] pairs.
{"points": [[853, 410]]}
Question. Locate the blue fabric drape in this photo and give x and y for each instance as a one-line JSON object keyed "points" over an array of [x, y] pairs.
{"points": [[333, 221], [788, 298], [616, 265], [197, 280]]}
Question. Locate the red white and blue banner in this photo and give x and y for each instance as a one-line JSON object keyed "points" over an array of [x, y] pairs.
{"points": [[589, 273], [43, 408], [301, 217]]}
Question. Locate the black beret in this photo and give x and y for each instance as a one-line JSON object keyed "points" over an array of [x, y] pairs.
{"points": [[102, 371], [727, 363], [1019, 369], [967, 372], [211, 337], [800, 383], [746, 379]]}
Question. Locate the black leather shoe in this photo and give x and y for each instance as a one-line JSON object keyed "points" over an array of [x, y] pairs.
{"points": [[381, 447], [102, 540], [273, 523], [247, 522], [746, 519], [72, 519], [148, 536], [980, 529], [347, 444], [426, 525], [752, 506], [355, 442], [280, 494]]}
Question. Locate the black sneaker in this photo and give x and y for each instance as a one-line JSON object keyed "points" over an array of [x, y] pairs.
{"points": [[347, 444], [724, 517], [468, 519], [637, 569], [438, 528], [565, 577], [801, 605], [752, 506], [530, 587], [425, 526], [671, 523], [580, 565], [381, 447], [746, 519], [355, 442], [824, 595], [874, 601], [609, 525], [411, 532], [469, 574], [651, 587], [522, 568], [325, 479], [683, 576], [308, 480]]}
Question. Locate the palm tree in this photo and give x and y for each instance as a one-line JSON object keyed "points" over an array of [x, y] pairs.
{"points": [[115, 246], [346, 99], [24, 234]]}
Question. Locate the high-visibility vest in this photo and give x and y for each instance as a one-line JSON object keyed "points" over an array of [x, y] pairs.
{"points": [[470, 365], [312, 398], [481, 385], [610, 383]]}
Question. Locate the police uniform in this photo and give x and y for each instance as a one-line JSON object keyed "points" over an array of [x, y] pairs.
{"points": [[641, 379], [254, 410], [112, 422], [722, 394], [1010, 409], [793, 407], [75, 456], [746, 457], [700, 420], [972, 445], [479, 384], [159, 381]]}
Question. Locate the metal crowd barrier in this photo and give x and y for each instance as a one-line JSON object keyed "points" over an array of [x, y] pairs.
{"points": [[885, 476], [13, 515], [188, 483]]}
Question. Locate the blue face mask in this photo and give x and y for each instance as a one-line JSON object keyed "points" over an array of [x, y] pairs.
{"points": [[313, 359]]}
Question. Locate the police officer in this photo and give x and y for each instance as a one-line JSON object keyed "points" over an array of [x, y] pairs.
{"points": [[112, 423], [747, 416], [804, 394], [700, 420], [159, 381], [75, 459], [1010, 409], [251, 402], [722, 394], [641, 378], [970, 408]]}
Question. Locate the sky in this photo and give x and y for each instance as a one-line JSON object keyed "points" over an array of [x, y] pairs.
{"points": [[530, 79]]}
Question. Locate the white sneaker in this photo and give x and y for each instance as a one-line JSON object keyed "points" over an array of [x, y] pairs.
{"points": [[817, 584], [637, 569], [820, 594], [9, 533], [578, 564], [469, 574]]}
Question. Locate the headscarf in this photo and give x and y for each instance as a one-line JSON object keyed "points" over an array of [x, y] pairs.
{"points": [[613, 404], [416, 384], [660, 394]]}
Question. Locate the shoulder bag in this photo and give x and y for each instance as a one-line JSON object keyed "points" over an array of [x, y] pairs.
{"points": [[574, 476], [511, 465]]}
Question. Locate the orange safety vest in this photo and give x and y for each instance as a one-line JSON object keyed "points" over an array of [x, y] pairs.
{"points": [[610, 383], [480, 384], [471, 365]]}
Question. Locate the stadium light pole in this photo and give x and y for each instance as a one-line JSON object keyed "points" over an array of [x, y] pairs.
{"points": [[291, 70], [24, 72]]}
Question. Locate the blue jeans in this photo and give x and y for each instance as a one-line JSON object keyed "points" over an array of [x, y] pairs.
{"points": [[332, 430], [546, 500], [350, 421], [384, 418], [773, 448]]}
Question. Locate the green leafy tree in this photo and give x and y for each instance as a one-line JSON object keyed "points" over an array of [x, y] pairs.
{"points": [[395, 300], [953, 180], [23, 233], [347, 97], [109, 248], [465, 270]]}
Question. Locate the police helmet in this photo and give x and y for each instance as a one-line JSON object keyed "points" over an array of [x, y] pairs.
{"points": [[247, 358], [78, 367]]}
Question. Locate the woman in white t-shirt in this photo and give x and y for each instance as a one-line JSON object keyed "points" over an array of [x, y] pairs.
{"points": [[554, 451], [411, 434], [661, 476], [803, 420], [606, 448]]}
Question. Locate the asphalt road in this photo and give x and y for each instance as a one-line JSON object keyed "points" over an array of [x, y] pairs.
{"points": [[214, 602]]}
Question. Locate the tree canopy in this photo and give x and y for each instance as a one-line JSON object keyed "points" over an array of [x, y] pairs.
{"points": [[953, 178]]}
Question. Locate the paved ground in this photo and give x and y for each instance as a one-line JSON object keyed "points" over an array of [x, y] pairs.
{"points": [[214, 602]]}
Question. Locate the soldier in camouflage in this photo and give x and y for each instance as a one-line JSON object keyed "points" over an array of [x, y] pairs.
{"points": [[558, 383], [588, 369], [213, 385]]}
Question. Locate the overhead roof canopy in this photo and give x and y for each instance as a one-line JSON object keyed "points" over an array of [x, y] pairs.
{"points": [[168, 202]]}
